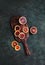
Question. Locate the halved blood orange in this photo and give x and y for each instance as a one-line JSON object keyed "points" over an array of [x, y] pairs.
{"points": [[22, 20], [22, 35], [16, 33], [33, 30], [14, 43], [25, 29], [17, 47]]}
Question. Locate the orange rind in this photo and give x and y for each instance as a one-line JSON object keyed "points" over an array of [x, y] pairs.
{"points": [[14, 43], [22, 20], [17, 47]]}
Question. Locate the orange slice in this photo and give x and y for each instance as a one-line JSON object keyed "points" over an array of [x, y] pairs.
{"points": [[17, 47], [25, 29], [33, 30], [16, 33], [17, 27], [14, 43], [22, 20], [22, 35]]}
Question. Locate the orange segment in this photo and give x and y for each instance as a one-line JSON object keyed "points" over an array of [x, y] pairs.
{"points": [[14, 43], [25, 29], [17, 47], [16, 33]]}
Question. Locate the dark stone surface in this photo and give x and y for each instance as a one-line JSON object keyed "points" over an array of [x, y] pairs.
{"points": [[34, 10]]}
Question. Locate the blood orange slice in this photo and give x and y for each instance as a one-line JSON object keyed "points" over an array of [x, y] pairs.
{"points": [[16, 33], [33, 30], [14, 43], [22, 20], [25, 29], [17, 47], [17, 27], [22, 35]]}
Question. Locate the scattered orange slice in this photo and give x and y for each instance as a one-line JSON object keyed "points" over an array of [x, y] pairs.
{"points": [[16, 33], [14, 43], [33, 30], [17, 47], [25, 29]]}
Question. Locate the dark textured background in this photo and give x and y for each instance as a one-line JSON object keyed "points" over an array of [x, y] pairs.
{"points": [[34, 10]]}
